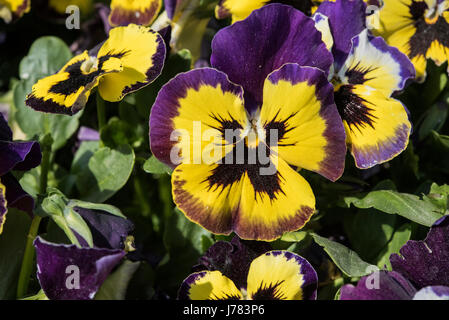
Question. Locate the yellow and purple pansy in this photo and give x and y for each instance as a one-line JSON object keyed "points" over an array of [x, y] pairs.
{"points": [[131, 58], [11, 10], [274, 275], [420, 271], [270, 112], [15, 155], [365, 74], [418, 28], [60, 6], [141, 12]]}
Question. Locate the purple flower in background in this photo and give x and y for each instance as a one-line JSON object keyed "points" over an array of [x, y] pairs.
{"points": [[15, 155], [365, 74], [420, 271], [71, 272], [67, 272]]}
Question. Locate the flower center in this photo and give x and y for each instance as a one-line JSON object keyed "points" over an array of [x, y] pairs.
{"points": [[90, 65], [255, 133]]}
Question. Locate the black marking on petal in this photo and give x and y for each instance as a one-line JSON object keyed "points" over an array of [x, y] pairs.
{"points": [[77, 78], [226, 174], [225, 125], [353, 109], [426, 33], [357, 74], [225, 296], [269, 292], [282, 128]]}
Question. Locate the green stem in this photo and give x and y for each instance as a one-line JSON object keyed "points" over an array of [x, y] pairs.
{"points": [[28, 256], [101, 114]]}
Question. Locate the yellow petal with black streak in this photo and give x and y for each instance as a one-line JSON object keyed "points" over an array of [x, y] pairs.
{"points": [[377, 126], [68, 90], [142, 54], [3, 206], [209, 285], [277, 275], [204, 198], [272, 202], [141, 12]]}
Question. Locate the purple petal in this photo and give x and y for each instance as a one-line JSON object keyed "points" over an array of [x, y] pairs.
{"points": [[232, 259], [426, 263], [270, 37], [16, 197], [171, 6], [5, 131], [88, 134], [3, 203], [108, 231], [66, 272], [380, 285], [346, 20], [432, 293], [19, 156]]}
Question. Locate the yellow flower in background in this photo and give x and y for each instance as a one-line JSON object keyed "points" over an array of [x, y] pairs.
{"points": [[141, 12], [131, 58], [419, 29], [13, 9], [60, 6]]}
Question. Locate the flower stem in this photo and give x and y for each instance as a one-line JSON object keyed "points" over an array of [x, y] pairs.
{"points": [[101, 112], [28, 256]]}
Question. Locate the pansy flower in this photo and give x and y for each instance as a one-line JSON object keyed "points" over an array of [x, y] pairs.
{"points": [[57, 262], [240, 10], [141, 12], [420, 271], [13, 9], [275, 275], [419, 28], [279, 114], [366, 72], [15, 155], [131, 58]]}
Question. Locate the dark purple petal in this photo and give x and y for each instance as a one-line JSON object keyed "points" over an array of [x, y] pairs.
{"points": [[5, 131], [171, 6], [88, 134], [59, 265], [3, 203], [19, 156], [270, 37], [232, 259], [380, 285], [108, 231], [16, 196], [426, 263], [346, 20], [432, 293]]}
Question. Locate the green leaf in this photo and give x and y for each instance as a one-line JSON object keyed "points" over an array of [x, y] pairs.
{"points": [[46, 56], [97, 206], [115, 286], [294, 236], [407, 205], [439, 196], [369, 231], [400, 237], [346, 260], [107, 171], [433, 119], [153, 165], [12, 248], [118, 132]]}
